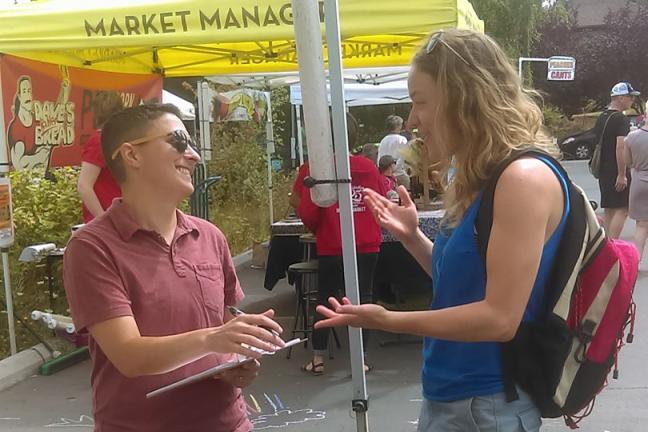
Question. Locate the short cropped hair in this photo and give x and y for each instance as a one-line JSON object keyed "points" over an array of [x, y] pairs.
{"points": [[126, 125], [394, 123]]}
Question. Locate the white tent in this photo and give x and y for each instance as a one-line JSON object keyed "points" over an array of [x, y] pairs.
{"points": [[371, 75], [363, 94], [187, 109], [379, 91]]}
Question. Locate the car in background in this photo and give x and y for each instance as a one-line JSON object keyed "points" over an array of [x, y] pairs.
{"points": [[581, 145], [578, 146]]}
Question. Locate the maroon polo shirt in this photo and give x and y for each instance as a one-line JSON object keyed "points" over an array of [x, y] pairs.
{"points": [[115, 268]]}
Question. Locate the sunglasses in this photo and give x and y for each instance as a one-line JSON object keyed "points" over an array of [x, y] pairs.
{"points": [[179, 140], [436, 39]]}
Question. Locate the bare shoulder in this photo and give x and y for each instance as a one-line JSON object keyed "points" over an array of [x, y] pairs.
{"points": [[529, 193], [530, 176]]}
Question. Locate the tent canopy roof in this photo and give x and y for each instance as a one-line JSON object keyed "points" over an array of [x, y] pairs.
{"points": [[369, 76], [203, 37], [364, 94]]}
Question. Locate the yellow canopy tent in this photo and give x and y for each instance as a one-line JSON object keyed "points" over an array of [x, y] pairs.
{"points": [[206, 37]]}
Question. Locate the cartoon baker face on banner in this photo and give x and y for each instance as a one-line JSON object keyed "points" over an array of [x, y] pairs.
{"points": [[38, 126], [48, 108]]}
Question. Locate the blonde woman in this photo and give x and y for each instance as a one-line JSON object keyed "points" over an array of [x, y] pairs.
{"points": [[468, 105]]}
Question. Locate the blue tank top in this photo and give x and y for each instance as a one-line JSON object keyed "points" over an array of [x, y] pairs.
{"points": [[459, 370]]}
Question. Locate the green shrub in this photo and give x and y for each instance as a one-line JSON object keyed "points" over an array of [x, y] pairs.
{"points": [[44, 212], [558, 125], [239, 203]]}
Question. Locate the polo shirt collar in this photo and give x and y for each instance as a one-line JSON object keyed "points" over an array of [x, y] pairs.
{"points": [[127, 226]]}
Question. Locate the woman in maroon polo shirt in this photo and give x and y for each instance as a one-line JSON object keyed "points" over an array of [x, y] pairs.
{"points": [[96, 185]]}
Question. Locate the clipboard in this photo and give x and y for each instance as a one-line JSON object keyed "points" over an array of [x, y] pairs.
{"points": [[240, 360]]}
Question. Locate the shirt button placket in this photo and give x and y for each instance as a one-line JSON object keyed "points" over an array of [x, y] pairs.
{"points": [[177, 264]]}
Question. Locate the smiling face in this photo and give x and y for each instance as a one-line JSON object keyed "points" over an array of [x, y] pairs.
{"points": [[162, 168], [25, 94], [25, 97]]}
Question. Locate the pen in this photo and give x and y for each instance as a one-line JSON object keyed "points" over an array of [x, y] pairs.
{"points": [[237, 312]]}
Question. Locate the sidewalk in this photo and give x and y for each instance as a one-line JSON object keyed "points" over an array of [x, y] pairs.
{"points": [[285, 398]]}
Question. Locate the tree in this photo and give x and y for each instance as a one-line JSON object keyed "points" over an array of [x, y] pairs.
{"points": [[512, 23], [604, 55]]}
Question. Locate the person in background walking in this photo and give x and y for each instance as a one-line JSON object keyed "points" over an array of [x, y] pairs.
{"points": [[636, 157], [614, 179], [97, 187], [392, 144]]}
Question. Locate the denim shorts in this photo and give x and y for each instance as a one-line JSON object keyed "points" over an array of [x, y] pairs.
{"points": [[480, 414]]}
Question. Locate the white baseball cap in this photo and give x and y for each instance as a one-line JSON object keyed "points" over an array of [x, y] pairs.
{"points": [[623, 89]]}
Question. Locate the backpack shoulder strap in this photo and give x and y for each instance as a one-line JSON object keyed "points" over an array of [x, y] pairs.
{"points": [[600, 138]]}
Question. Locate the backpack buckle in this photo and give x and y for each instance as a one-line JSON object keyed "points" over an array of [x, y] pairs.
{"points": [[585, 333]]}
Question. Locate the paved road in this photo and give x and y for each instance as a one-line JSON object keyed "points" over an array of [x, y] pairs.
{"points": [[284, 398]]}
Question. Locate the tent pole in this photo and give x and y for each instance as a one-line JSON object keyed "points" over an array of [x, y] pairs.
{"points": [[338, 105], [308, 38], [293, 153], [204, 102], [300, 141], [270, 149]]}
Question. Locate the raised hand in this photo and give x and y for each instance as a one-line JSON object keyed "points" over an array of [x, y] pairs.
{"points": [[400, 220], [346, 314], [247, 335]]}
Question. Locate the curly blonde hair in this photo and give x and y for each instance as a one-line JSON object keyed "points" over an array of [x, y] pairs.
{"points": [[483, 107]]}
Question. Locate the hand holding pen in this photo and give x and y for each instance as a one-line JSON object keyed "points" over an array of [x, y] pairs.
{"points": [[249, 335], [238, 312]]}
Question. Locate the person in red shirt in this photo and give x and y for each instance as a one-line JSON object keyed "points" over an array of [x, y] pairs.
{"points": [[325, 223], [152, 286], [97, 187]]}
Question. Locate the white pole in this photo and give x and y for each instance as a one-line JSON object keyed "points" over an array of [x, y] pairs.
{"points": [[338, 105], [300, 140], [204, 108], [9, 301], [270, 149], [529, 59], [4, 174], [308, 36], [293, 153]]}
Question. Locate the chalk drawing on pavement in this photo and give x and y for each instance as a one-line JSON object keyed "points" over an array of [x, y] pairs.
{"points": [[84, 422], [279, 416]]}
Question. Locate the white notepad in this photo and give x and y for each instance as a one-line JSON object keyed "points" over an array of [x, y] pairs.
{"points": [[216, 370]]}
